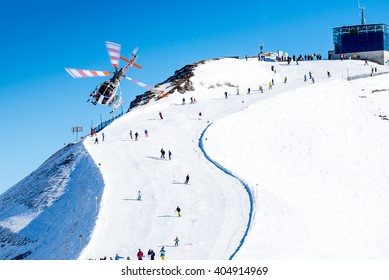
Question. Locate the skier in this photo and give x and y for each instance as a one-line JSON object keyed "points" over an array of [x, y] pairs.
{"points": [[162, 153], [270, 85], [151, 254], [183, 101], [139, 195], [328, 74], [176, 242], [187, 179], [136, 136], [178, 210], [163, 252], [248, 91], [130, 134], [285, 79], [160, 115], [225, 94], [170, 154], [103, 135], [97, 140], [146, 133], [140, 255], [261, 89], [117, 257]]}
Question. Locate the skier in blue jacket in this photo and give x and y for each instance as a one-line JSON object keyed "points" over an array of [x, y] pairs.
{"points": [[117, 257]]}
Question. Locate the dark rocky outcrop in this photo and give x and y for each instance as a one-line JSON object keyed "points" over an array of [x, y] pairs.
{"points": [[180, 81]]}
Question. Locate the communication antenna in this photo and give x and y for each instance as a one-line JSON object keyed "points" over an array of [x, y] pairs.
{"points": [[362, 8]]}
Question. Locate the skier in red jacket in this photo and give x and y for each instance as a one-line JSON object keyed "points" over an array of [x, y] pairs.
{"points": [[140, 255]]}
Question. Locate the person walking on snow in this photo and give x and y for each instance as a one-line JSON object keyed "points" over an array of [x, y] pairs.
{"points": [[162, 252], [176, 242], [130, 134], [160, 115], [162, 153], [178, 210], [136, 136], [140, 255], [151, 254], [187, 179], [170, 154], [139, 196]]}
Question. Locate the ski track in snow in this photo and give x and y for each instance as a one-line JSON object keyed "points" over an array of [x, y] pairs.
{"points": [[245, 185]]}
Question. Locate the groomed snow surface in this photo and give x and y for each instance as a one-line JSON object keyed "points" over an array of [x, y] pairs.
{"points": [[300, 171], [314, 157]]}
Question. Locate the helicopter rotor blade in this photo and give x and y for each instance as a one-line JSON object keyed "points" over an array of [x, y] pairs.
{"points": [[140, 83], [113, 50], [82, 73]]}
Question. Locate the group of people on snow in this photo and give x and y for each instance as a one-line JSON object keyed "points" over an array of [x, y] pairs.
{"points": [[163, 154], [140, 254]]}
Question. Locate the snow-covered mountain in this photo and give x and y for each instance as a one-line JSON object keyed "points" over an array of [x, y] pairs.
{"points": [[299, 171]]}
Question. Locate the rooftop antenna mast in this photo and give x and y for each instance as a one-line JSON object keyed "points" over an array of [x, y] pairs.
{"points": [[362, 8]]}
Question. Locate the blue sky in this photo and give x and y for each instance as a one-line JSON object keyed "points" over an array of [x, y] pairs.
{"points": [[41, 102]]}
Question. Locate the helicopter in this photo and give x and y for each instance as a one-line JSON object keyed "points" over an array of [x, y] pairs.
{"points": [[106, 93]]}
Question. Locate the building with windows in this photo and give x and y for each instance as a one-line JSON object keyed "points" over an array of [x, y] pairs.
{"points": [[367, 41]]}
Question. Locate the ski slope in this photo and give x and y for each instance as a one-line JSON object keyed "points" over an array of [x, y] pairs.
{"points": [[313, 157]]}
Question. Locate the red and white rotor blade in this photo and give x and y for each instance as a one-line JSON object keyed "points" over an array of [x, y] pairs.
{"points": [[81, 73], [113, 50], [140, 83]]}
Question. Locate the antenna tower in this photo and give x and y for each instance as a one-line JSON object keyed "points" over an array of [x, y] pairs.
{"points": [[362, 8]]}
